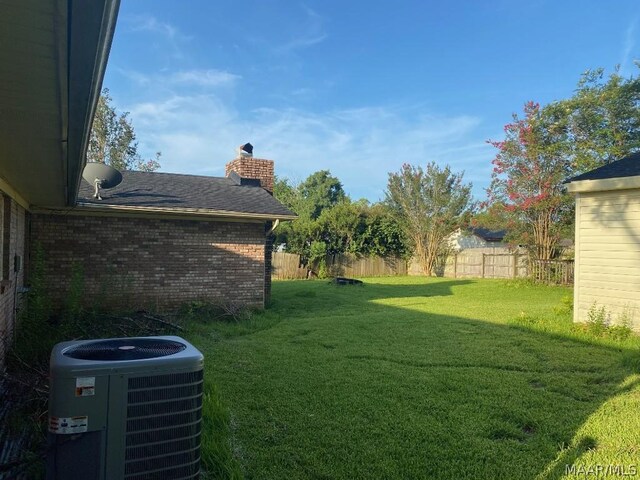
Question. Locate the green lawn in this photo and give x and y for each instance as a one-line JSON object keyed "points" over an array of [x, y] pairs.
{"points": [[417, 378]]}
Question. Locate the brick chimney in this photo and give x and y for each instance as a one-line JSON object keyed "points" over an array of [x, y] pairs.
{"points": [[245, 166]]}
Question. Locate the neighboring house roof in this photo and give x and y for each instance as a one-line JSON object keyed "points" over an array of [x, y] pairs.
{"points": [[489, 235], [627, 167], [178, 193]]}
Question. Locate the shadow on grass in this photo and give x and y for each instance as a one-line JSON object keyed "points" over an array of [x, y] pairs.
{"points": [[386, 381]]}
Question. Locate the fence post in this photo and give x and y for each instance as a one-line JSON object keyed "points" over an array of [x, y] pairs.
{"points": [[455, 265], [483, 265], [515, 264]]}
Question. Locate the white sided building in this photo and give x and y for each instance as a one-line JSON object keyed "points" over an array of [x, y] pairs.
{"points": [[607, 241]]}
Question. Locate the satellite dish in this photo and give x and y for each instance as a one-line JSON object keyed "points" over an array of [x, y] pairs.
{"points": [[101, 176]]}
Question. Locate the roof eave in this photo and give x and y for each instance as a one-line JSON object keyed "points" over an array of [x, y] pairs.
{"points": [[602, 185], [89, 208], [80, 113]]}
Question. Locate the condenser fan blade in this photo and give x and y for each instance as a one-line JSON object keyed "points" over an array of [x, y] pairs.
{"points": [[125, 349]]}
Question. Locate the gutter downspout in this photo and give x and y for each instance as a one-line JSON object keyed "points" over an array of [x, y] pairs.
{"points": [[273, 227]]}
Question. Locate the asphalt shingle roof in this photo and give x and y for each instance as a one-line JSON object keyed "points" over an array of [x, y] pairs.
{"points": [[489, 235], [171, 190], [627, 167]]}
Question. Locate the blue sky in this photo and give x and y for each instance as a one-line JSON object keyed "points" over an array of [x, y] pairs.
{"points": [[355, 87]]}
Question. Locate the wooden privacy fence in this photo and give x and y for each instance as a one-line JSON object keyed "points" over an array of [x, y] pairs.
{"points": [[471, 263], [287, 266], [345, 265], [486, 265], [508, 265]]}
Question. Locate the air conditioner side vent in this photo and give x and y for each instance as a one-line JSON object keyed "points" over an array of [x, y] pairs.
{"points": [[162, 435], [161, 411], [160, 448], [163, 462], [183, 472], [183, 391], [168, 380], [162, 408]]}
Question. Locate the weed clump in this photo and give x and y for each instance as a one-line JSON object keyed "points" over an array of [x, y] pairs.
{"points": [[600, 324], [223, 311]]}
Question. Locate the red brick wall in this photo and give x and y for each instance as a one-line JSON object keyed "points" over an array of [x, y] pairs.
{"points": [[249, 167], [12, 244], [153, 263]]}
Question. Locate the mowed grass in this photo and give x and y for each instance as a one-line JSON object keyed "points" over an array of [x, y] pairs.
{"points": [[416, 378]]}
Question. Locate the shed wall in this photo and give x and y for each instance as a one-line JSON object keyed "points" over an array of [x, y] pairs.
{"points": [[608, 255], [151, 263]]}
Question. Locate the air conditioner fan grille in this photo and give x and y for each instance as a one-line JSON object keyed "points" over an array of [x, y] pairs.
{"points": [[125, 349]]}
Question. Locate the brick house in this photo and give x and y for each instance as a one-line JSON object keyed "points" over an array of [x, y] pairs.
{"points": [[159, 239], [53, 56], [156, 240]]}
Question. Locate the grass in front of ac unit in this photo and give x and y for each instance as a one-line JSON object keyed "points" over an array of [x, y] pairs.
{"points": [[417, 378]]}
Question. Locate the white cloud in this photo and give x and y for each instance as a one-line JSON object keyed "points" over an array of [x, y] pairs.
{"points": [[309, 32], [301, 42], [205, 78], [629, 45], [198, 134], [136, 77], [149, 23], [172, 39]]}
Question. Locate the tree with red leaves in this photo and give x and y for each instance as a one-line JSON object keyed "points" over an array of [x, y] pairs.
{"points": [[528, 170]]}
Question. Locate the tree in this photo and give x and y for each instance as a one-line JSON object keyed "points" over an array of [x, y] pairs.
{"points": [[598, 124], [604, 118], [150, 165], [430, 205], [287, 193], [342, 226], [383, 235], [528, 170], [296, 235], [320, 190], [113, 139]]}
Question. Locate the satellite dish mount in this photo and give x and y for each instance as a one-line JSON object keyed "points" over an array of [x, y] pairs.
{"points": [[98, 183]]}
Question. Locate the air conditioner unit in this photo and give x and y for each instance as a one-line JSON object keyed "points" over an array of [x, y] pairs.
{"points": [[125, 408]]}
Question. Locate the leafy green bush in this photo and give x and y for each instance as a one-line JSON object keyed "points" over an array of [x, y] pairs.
{"points": [[565, 307], [35, 334], [599, 323], [317, 257]]}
